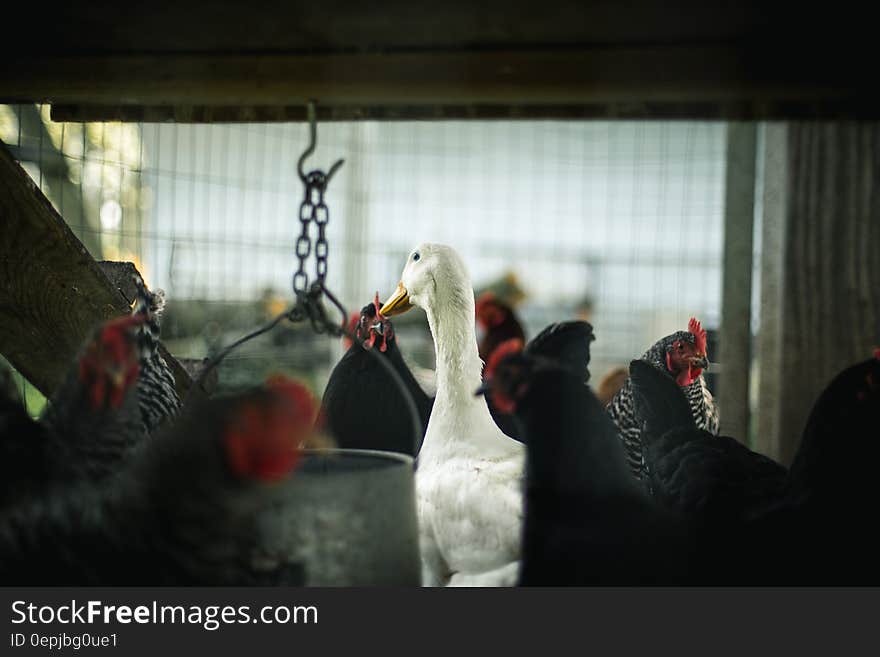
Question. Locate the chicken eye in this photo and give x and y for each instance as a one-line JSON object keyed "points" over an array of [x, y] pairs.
{"points": [[416, 257]]}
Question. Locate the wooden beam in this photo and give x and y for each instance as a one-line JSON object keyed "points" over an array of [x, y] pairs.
{"points": [[212, 60], [712, 81], [820, 309], [52, 292], [728, 110], [736, 293], [567, 76]]}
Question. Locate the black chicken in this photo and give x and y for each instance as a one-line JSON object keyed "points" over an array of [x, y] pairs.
{"points": [[714, 478], [183, 511], [587, 522], [807, 525], [362, 406], [565, 343], [823, 527]]}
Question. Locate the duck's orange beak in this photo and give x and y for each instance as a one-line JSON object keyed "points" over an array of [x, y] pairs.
{"points": [[398, 303]]}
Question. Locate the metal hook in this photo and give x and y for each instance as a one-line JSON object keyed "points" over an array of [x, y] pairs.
{"points": [[311, 116]]}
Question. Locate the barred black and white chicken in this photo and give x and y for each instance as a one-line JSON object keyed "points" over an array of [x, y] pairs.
{"points": [[93, 420], [157, 393], [118, 391], [681, 356]]}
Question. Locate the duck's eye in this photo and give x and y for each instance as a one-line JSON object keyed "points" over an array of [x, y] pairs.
{"points": [[416, 257]]}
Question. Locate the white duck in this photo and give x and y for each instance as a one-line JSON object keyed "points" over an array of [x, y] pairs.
{"points": [[469, 477]]}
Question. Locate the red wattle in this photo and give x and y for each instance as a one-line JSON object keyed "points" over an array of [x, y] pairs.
{"points": [[98, 392], [503, 403]]}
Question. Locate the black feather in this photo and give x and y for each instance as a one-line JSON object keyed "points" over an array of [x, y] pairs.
{"points": [[174, 515], [713, 478], [567, 343], [658, 402], [364, 408], [586, 520]]}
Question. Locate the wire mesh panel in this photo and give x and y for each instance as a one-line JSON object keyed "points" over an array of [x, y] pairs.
{"points": [[618, 221]]}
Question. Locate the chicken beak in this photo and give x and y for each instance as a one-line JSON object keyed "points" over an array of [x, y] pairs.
{"points": [[117, 376], [397, 304], [702, 362]]}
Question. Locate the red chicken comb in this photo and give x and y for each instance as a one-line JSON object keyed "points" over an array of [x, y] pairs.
{"points": [[511, 346], [486, 298], [699, 334], [378, 305], [297, 395], [110, 365], [264, 437]]}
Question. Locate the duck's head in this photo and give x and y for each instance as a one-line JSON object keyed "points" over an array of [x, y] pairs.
{"points": [[433, 272]]}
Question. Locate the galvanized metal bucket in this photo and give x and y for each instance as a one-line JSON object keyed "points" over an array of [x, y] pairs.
{"points": [[348, 518]]}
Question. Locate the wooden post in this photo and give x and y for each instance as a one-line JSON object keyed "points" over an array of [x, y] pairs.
{"points": [[773, 239], [820, 293], [52, 292], [736, 294]]}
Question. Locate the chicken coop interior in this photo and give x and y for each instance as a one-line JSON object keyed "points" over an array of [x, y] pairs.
{"points": [[564, 218], [628, 168]]}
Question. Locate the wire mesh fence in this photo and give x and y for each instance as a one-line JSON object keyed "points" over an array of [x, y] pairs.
{"points": [[620, 222]]}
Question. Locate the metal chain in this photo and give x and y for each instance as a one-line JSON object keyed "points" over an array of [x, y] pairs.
{"points": [[308, 303], [313, 209]]}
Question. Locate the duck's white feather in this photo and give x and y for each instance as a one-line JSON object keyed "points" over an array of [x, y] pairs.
{"points": [[469, 476]]}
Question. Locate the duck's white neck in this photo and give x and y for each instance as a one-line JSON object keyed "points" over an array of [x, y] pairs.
{"points": [[459, 368]]}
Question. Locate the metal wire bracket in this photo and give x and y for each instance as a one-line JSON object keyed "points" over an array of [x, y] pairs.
{"points": [[311, 116]]}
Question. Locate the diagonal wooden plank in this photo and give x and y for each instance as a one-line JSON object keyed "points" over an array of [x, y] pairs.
{"points": [[52, 292]]}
